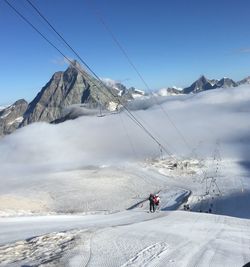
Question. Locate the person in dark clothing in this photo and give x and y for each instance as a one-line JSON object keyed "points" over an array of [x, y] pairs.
{"points": [[151, 203]]}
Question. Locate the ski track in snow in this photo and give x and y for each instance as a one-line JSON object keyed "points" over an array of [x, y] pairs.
{"points": [[147, 255]]}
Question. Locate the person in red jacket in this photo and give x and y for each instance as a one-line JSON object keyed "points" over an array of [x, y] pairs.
{"points": [[157, 201]]}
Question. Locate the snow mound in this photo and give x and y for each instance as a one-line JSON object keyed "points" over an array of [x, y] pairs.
{"points": [[39, 250], [174, 167]]}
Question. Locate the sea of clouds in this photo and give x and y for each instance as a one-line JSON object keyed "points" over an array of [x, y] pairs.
{"points": [[186, 125]]}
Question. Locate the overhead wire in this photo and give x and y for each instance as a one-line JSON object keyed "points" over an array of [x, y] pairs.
{"points": [[128, 137], [129, 114], [30, 10], [72, 49], [99, 16], [69, 46]]}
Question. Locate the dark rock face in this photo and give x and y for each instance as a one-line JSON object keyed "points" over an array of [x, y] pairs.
{"points": [[12, 116], [244, 81], [74, 86], [200, 85], [63, 97], [203, 84], [173, 91], [225, 83]]}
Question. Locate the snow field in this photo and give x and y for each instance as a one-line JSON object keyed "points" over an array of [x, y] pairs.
{"points": [[87, 167], [177, 239], [82, 191]]}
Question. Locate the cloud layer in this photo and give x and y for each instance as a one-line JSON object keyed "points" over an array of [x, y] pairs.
{"points": [[202, 119]]}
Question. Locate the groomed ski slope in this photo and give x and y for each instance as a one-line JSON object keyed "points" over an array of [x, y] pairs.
{"points": [[129, 238], [132, 237]]}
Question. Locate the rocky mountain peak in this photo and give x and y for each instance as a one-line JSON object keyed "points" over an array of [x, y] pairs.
{"points": [[244, 81], [75, 64], [202, 79], [203, 84], [12, 116], [73, 86], [226, 82], [199, 85]]}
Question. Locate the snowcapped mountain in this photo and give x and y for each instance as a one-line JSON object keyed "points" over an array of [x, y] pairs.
{"points": [[203, 84], [244, 81], [75, 86], [134, 93], [12, 116], [115, 85], [130, 93], [64, 89], [226, 83], [169, 91]]}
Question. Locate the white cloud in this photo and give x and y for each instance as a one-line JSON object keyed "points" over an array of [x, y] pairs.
{"points": [[203, 118], [109, 82], [61, 61], [245, 50]]}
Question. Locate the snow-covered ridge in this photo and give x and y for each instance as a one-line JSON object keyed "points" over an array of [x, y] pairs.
{"points": [[2, 107], [7, 111]]}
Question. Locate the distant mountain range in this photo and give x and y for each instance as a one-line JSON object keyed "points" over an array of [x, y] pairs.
{"points": [[57, 100], [203, 84]]}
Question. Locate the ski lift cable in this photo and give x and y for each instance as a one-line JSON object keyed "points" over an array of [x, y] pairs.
{"points": [[159, 136], [129, 114], [40, 20], [80, 58], [74, 51], [97, 13], [128, 137], [61, 37], [43, 36]]}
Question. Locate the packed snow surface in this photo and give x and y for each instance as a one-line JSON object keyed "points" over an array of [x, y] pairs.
{"points": [[76, 194]]}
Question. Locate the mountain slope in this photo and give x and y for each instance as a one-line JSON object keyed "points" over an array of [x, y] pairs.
{"points": [[203, 84], [12, 116], [67, 92], [226, 83], [244, 81], [74, 86]]}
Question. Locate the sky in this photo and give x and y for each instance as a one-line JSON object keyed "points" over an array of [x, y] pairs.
{"points": [[169, 42]]}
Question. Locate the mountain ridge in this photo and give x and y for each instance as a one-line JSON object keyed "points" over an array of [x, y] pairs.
{"points": [[75, 86]]}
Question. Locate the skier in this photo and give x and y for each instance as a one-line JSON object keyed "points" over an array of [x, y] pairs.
{"points": [[157, 201], [151, 203]]}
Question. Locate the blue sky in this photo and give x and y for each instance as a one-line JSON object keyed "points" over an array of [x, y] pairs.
{"points": [[170, 42]]}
